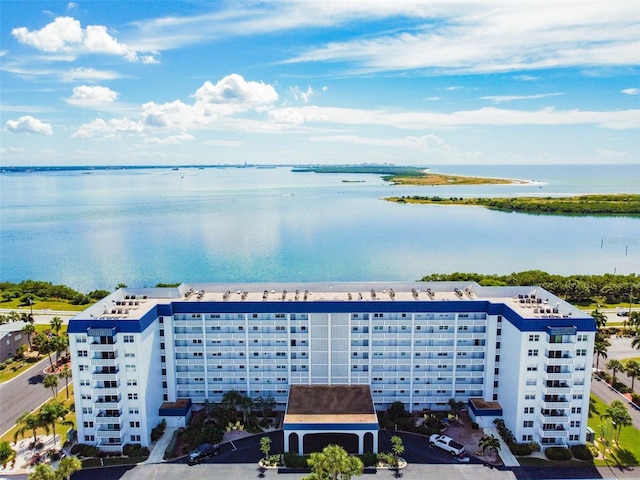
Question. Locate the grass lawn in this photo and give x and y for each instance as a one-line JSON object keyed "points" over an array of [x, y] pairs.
{"points": [[43, 305], [624, 454], [15, 369]]}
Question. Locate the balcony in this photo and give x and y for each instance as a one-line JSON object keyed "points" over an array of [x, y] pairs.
{"points": [[552, 433], [558, 376], [110, 434], [559, 361], [555, 403], [557, 390], [105, 377], [104, 405], [103, 347], [104, 362], [105, 391], [557, 418]]}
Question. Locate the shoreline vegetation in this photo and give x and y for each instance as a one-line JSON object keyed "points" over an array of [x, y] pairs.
{"points": [[612, 205], [410, 175]]}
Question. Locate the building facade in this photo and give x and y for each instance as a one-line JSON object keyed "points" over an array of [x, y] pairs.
{"points": [[418, 343]]}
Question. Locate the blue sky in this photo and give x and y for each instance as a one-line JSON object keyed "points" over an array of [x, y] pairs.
{"points": [[319, 81]]}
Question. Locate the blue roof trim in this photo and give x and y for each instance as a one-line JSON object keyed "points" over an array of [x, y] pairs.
{"points": [[331, 426], [587, 324]]}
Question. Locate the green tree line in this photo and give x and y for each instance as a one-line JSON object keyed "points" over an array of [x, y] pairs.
{"points": [[32, 290], [606, 288]]}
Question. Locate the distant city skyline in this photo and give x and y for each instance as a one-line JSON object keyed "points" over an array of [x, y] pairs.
{"points": [[319, 81]]}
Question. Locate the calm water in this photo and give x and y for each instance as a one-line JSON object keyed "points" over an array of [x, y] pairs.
{"points": [[142, 227]]}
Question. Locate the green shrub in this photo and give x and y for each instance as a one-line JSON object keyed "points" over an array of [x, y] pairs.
{"points": [[158, 431], [521, 449], [3, 366], [131, 449], [581, 452], [369, 459], [291, 460], [558, 453]]}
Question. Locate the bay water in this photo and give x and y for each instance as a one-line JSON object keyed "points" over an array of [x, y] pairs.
{"points": [[97, 228]]}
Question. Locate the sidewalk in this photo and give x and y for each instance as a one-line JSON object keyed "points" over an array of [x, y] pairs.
{"points": [[505, 454], [158, 449]]}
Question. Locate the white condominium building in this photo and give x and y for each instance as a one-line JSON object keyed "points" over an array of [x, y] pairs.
{"points": [[519, 353]]}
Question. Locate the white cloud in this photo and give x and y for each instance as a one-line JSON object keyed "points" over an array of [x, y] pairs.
{"points": [[511, 98], [29, 124], [92, 96], [304, 96], [230, 96], [66, 35], [461, 37], [88, 75], [102, 129], [170, 140], [235, 90], [631, 91], [294, 116]]}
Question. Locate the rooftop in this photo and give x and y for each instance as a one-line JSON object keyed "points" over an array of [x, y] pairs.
{"points": [[529, 302], [330, 404]]}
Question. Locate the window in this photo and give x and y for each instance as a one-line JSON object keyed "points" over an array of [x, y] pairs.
{"points": [[527, 424], [532, 352], [577, 396], [130, 367], [528, 409], [530, 396], [135, 438], [527, 438], [134, 411], [575, 424], [87, 411], [84, 383], [132, 396], [89, 438], [534, 338], [83, 368], [128, 338], [129, 355], [581, 352], [83, 353], [132, 382], [134, 424], [576, 410], [197, 341], [81, 339], [531, 381], [88, 424], [197, 354]]}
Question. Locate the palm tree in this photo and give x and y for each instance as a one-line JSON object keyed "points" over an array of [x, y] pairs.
{"points": [[635, 342], [44, 345], [50, 413], [28, 421], [455, 406], [29, 329], [600, 318], [66, 373], [600, 349], [619, 416], [56, 324], [489, 442], [59, 345], [67, 466], [51, 381], [616, 366], [42, 471], [632, 369]]}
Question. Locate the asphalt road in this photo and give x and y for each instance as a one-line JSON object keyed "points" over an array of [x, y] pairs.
{"points": [[22, 394]]}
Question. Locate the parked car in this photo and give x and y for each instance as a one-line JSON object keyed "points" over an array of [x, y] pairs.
{"points": [[447, 444], [203, 452]]}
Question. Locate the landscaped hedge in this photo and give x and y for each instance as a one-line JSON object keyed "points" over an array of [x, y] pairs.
{"points": [[581, 452], [521, 449], [558, 453], [291, 460]]}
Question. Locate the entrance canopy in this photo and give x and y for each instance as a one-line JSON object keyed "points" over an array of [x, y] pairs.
{"points": [[313, 409]]}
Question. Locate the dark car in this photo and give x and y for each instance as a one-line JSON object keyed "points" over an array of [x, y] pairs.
{"points": [[203, 452]]}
